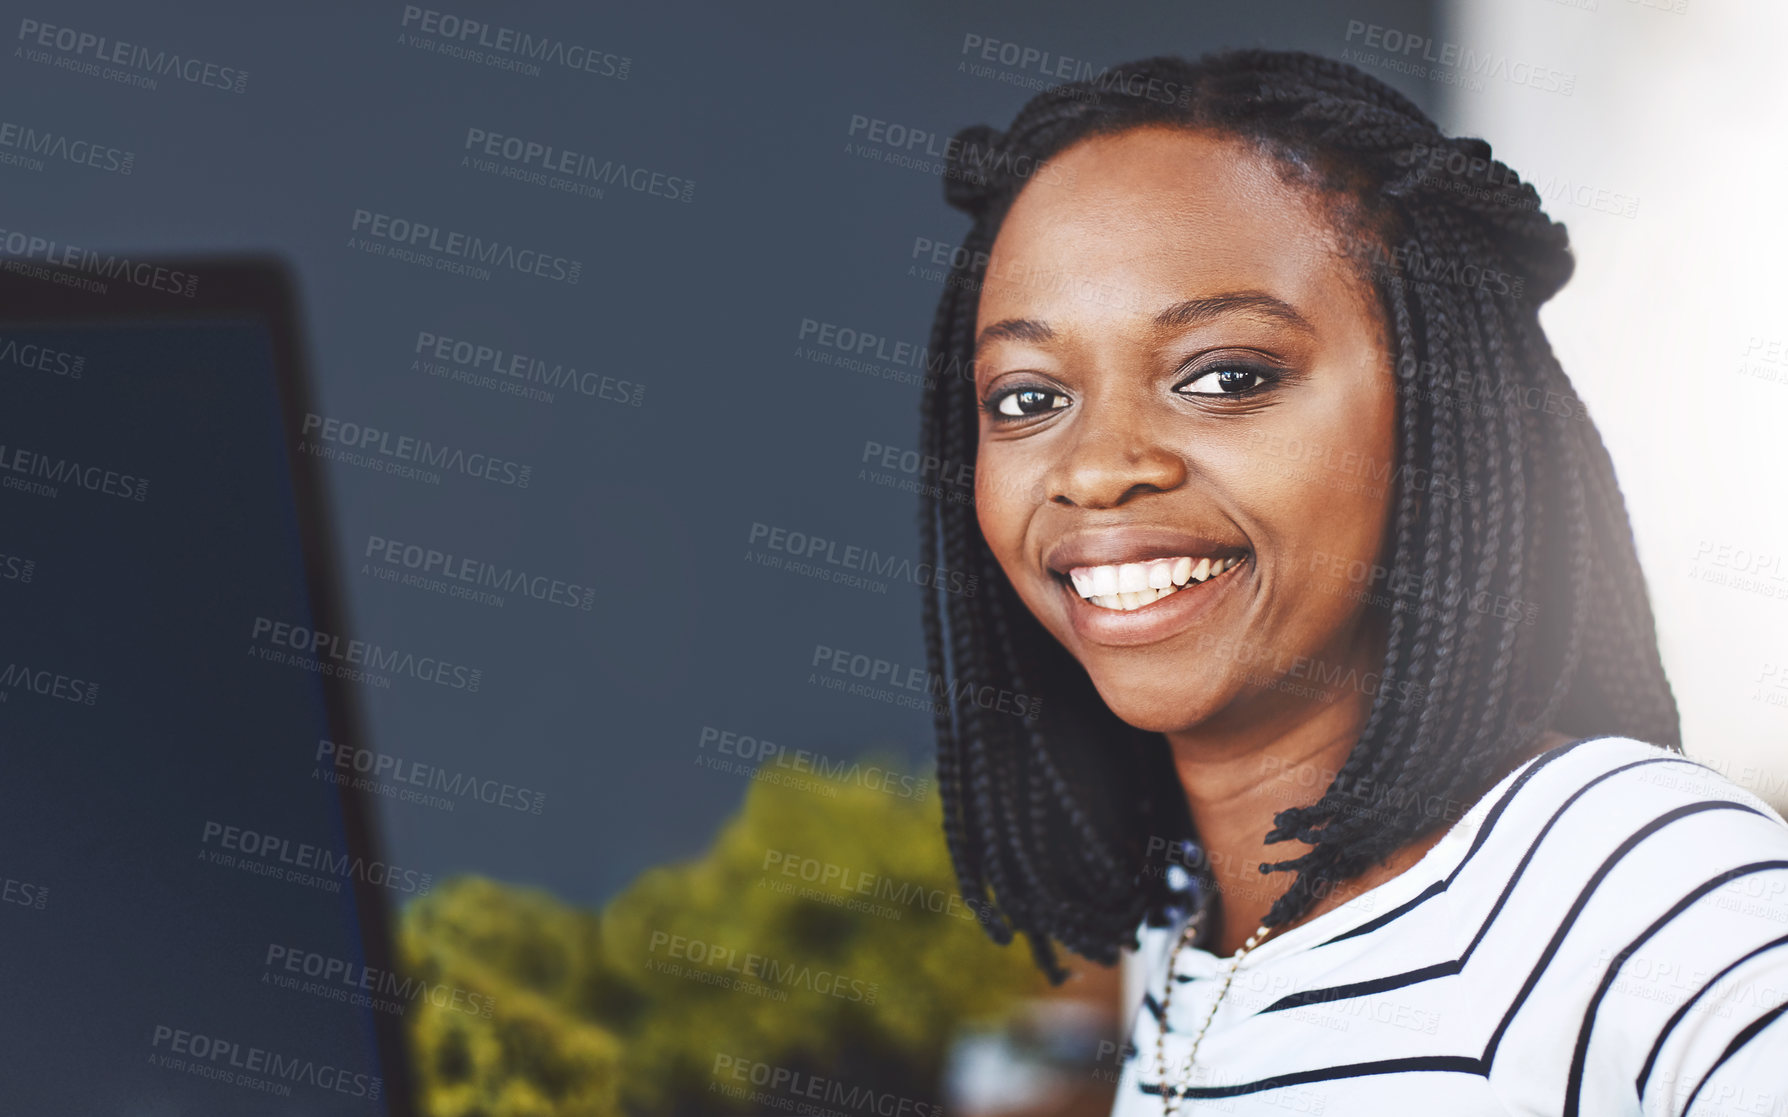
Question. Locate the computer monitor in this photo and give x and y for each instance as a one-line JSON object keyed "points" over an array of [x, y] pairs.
{"points": [[193, 907]]}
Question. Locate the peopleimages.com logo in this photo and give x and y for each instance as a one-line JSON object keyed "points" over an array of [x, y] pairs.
{"points": [[25, 247], [490, 366], [40, 473], [113, 59], [507, 48], [403, 454], [29, 147], [547, 164], [455, 246], [47, 684], [252, 1067], [459, 575], [363, 986], [278, 856], [382, 773], [35, 357], [332, 654]]}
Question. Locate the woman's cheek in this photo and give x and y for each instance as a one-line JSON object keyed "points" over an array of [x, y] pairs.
{"points": [[1000, 516], [1342, 560]]}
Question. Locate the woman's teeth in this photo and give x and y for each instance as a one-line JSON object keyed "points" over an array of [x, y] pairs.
{"points": [[1135, 584]]}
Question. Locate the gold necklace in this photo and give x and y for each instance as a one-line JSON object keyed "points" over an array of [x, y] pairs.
{"points": [[1170, 1093]]}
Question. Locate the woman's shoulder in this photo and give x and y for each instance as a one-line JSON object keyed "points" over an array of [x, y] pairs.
{"points": [[1652, 891], [1600, 783], [1611, 847], [1607, 810], [1577, 813]]}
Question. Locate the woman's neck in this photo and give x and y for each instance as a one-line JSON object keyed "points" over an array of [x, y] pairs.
{"points": [[1235, 782]]}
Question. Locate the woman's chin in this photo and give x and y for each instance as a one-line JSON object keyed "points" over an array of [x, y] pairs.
{"points": [[1158, 709]]}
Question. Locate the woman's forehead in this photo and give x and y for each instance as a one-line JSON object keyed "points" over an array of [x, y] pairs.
{"points": [[1149, 217]]}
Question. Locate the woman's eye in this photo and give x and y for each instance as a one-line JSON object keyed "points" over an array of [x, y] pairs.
{"points": [[1227, 380], [1021, 402]]}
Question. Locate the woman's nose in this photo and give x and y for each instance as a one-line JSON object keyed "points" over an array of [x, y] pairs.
{"points": [[1111, 458]]}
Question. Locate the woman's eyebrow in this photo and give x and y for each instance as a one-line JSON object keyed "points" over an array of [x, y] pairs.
{"points": [[1191, 312], [1195, 312], [1015, 329]]}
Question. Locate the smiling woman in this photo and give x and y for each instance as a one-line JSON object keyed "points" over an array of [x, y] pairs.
{"points": [[1286, 509]]}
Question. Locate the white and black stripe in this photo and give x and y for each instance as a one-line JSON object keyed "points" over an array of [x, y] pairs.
{"points": [[1604, 932]]}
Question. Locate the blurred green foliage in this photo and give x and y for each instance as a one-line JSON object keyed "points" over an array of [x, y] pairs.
{"points": [[821, 934]]}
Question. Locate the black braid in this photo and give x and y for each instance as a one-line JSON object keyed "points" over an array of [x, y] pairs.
{"points": [[1051, 820]]}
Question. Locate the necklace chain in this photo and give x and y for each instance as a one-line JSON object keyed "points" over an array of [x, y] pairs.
{"points": [[1171, 1092]]}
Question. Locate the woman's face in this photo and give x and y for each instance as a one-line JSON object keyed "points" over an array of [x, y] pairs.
{"points": [[1182, 377]]}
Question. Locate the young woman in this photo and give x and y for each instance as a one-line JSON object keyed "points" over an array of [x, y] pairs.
{"points": [[1289, 518]]}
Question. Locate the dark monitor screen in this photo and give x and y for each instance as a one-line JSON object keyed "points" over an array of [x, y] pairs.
{"points": [[189, 895]]}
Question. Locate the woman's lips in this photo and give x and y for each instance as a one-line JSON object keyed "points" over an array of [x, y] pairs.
{"points": [[1156, 621]]}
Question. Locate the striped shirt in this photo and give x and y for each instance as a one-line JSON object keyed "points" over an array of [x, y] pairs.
{"points": [[1605, 932]]}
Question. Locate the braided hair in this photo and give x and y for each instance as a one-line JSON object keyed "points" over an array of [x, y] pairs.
{"points": [[1050, 819]]}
